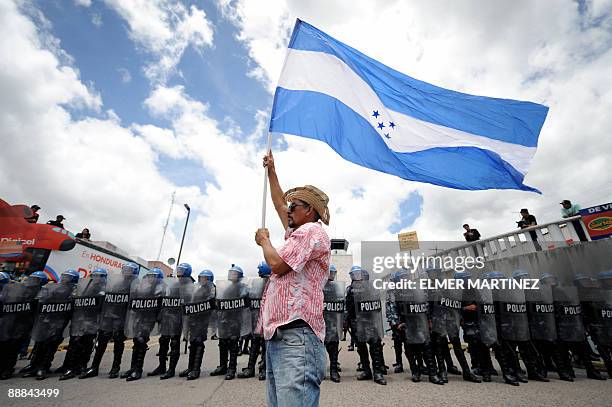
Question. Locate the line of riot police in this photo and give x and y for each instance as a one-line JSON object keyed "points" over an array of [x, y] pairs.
{"points": [[94, 310]]}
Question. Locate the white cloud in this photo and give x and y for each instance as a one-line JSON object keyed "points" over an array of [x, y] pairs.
{"points": [[126, 77], [96, 19], [83, 3], [164, 28]]}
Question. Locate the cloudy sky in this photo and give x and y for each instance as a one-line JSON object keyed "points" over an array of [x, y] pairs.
{"points": [[109, 106]]}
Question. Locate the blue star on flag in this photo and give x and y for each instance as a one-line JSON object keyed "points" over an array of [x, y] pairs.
{"points": [[375, 114], [392, 125], [381, 125]]}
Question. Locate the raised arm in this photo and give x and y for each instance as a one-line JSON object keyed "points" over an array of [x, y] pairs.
{"points": [[276, 192]]}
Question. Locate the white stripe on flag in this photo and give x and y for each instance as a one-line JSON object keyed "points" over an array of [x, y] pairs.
{"points": [[325, 73]]}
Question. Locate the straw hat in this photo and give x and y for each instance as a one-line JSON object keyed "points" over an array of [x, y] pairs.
{"points": [[312, 196]]}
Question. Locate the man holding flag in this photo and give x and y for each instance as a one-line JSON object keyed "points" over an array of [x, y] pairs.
{"points": [[291, 315]]}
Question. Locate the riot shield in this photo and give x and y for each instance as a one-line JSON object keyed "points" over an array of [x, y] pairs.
{"points": [[412, 308], [177, 292], [257, 286], [87, 305], [116, 302], [486, 315], [446, 315], [541, 313], [198, 312], [568, 314], [54, 310], [333, 309], [145, 301], [232, 309], [513, 321], [602, 329], [368, 311], [18, 310]]}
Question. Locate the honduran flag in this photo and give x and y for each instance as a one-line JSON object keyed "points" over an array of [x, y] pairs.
{"points": [[379, 118]]}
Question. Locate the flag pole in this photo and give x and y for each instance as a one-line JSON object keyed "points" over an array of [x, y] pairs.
{"points": [[265, 185]]}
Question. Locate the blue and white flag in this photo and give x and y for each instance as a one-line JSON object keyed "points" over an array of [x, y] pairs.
{"points": [[379, 118]]}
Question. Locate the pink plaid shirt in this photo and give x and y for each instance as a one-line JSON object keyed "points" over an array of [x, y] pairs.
{"points": [[298, 294]]}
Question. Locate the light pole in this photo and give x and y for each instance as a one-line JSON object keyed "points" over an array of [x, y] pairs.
{"points": [[178, 260]]}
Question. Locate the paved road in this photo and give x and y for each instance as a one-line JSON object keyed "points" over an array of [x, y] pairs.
{"points": [[214, 391]]}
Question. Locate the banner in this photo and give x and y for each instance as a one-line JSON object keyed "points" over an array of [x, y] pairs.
{"points": [[598, 220]]}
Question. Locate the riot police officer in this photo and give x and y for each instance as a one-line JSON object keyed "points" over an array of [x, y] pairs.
{"points": [[112, 319], [411, 305], [333, 310], [17, 318], [446, 321], [257, 288], [397, 335], [177, 292], [542, 329], [364, 311], [198, 317], [233, 320], [591, 298], [479, 326], [85, 322], [571, 334], [54, 311], [145, 301], [603, 330]]}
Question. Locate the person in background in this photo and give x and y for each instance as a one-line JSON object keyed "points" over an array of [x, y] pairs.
{"points": [[471, 235], [35, 214], [528, 220], [58, 221], [84, 234], [569, 210]]}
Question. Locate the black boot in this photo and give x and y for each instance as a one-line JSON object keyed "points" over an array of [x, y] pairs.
{"points": [[332, 351], [414, 365], [192, 352], [430, 363], [138, 357], [223, 355], [194, 373], [95, 363], [506, 366], [118, 348], [364, 360], [397, 347], [171, 371], [529, 356], [484, 362], [127, 373], [71, 360], [249, 371], [164, 344], [468, 376], [175, 354], [233, 360], [437, 348], [378, 363]]}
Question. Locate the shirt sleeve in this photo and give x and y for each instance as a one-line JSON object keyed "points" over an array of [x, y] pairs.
{"points": [[303, 245]]}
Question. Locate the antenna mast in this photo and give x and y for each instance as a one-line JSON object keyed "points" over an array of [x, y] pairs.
{"points": [[166, 226]]}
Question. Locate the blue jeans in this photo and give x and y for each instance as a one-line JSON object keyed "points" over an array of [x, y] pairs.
{"points": [[295, 367]]}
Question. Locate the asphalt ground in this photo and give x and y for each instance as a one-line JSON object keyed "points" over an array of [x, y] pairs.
{"points": [[215, 391]]}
